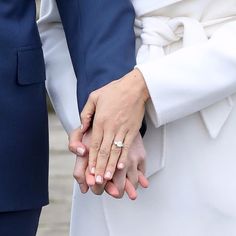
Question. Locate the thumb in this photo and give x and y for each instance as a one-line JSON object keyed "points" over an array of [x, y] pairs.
{"points": [[75, 143], [88, 112], [143, 181]]}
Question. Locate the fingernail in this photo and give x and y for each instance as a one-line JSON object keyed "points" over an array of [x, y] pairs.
{"points": [[93, 170], [80, 151], [108, 175], [121, 166], [99, 179], [81, 126]]}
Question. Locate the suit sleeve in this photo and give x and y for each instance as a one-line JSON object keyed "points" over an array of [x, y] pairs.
{"points": [[192, 78], [99, 54], [101, 41]]}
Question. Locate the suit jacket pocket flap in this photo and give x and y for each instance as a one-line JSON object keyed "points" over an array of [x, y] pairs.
{"points": [[31, 66]]}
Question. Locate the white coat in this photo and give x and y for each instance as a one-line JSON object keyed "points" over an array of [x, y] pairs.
{"points": [[187, 54]]}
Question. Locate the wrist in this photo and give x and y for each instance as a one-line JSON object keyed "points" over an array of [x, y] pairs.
{"points": [[141, 84]]}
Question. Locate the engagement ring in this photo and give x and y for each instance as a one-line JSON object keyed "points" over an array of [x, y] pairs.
{"points": [[119, 144]]}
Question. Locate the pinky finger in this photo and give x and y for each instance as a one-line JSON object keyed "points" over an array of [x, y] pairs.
{"points": [[143, 181], [130, 190]]}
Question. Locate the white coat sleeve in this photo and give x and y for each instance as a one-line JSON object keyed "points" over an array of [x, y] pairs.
{"points": [[192, 78], [61, 81]]}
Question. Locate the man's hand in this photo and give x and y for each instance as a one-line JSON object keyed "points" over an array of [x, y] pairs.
{"points": [[125, 180], [120, 108]]}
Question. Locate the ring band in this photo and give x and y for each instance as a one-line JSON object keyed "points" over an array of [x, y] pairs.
{"points": [[119, 144]]}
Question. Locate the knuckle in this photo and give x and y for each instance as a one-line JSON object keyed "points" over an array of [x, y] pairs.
{"points": [[72, 146], [79, 178], [109, 126], [100, 170], [126, 147], [104, 153], [95, 146], [92, 163], [117, 122], [92, 95], [111, 166], [115, 151], [125, 130]]}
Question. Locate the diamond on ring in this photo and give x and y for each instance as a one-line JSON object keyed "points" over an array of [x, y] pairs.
{"points": [[119, 144]]}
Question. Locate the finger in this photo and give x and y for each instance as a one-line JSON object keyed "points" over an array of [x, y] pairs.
{"points": [[112, 190], [75, 143], [98, 189], [114, 156], [96, 141], [125, 150], [79, 173], [142, 165], [88, 112], [132, 175], [103, 156], [119, 180], [130, 190], [83, 188], [143, 181], [90, 179]]}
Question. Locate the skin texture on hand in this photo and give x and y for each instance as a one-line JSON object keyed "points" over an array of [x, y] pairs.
{"points": [[118, 110], [125, 180]]}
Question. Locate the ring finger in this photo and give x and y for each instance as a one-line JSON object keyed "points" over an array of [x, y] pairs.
{"points": [[116, 151]]}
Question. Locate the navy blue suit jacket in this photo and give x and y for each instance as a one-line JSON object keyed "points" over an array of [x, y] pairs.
{"points": [[101, 41], [23, 113], [101, 33]]}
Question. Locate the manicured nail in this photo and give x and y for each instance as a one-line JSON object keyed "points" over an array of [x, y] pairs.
{"points": [[80, 151], [93, 170], [121, 166], [108, 175], [81, 126], [99, 179]]}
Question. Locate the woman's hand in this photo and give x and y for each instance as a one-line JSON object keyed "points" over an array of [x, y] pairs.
{"points": [[118, 109], [125, 180], [128, 179]]}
